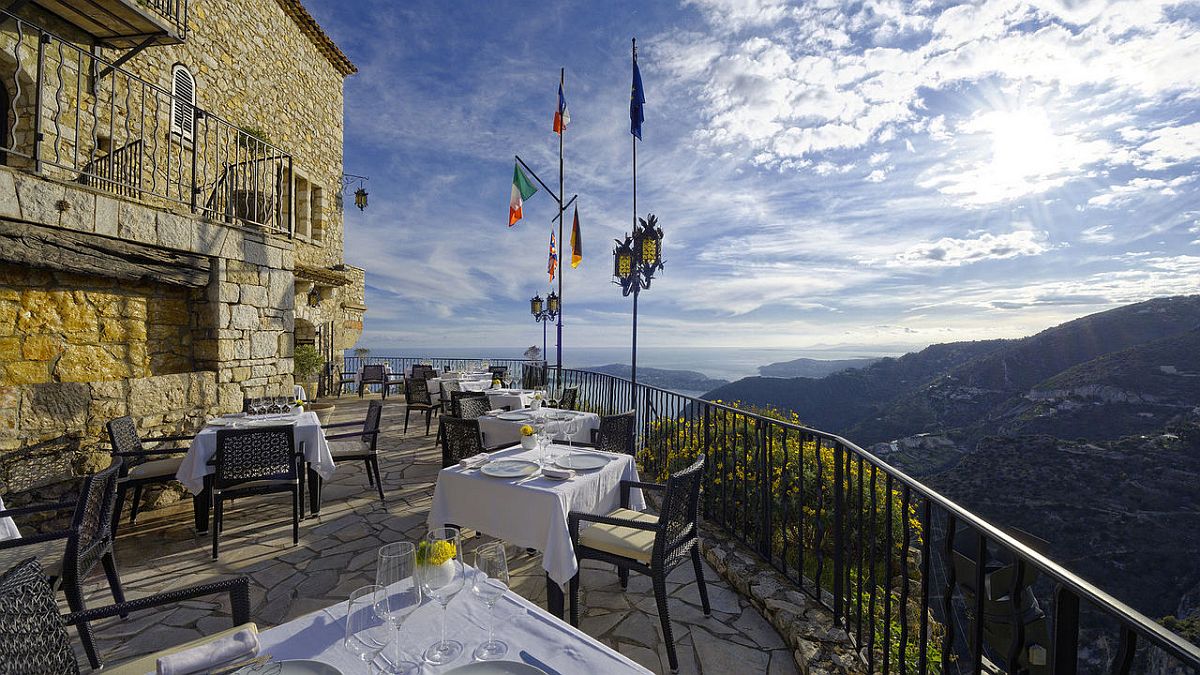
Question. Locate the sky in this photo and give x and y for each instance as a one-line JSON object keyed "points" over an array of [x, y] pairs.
{"points": [[874, 176]]}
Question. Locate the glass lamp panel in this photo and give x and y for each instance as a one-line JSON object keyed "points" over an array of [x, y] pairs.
{"points": [[535, 305], [552, 303]]}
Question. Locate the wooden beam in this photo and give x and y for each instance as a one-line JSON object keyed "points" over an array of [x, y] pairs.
{"points": [[84, 253]]}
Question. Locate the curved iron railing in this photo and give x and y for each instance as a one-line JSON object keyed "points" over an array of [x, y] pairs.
{"points": [[891, 558]]}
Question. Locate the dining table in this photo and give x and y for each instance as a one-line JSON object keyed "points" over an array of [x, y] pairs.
{"points": [[195, 469], [533, 636], [8, 529], [531, 511], [513, 399], [504, 427]]}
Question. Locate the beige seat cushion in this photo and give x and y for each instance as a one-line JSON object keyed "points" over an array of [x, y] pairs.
{"points": [[149, 663], [348, 446], [156, 468], [49, 554], [622, 541], [258, 483]]}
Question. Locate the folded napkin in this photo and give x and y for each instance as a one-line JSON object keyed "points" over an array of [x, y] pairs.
{"points": [[496, 411], [472, 462], [242, 644], [560, 474]]}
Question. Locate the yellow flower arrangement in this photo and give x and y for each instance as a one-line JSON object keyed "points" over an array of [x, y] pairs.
{"points": [[526, 430], [435, 554]]}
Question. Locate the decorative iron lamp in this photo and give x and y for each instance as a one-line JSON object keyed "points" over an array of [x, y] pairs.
{"points": [[544, 314], [535, 305], [360, 198], [314, 297], [635, 261], [360, 195], [552, 305]]}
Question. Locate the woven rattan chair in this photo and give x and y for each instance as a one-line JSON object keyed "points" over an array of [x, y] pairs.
{"points": [[448, 389], [372, 374], [469, 404], [460, 439], [342, 379], [360, 446], [140, 467], [417, 393], [643, 542], [252, 462], [33, 634], [615, 433], [68, 556], [423, 371]]}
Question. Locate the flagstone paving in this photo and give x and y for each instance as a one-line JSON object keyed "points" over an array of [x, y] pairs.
{"points": [[336, 555]]}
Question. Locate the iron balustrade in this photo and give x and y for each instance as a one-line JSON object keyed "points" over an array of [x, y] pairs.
{"points": [[174, 11], [893, 560], [399, 365], [73, 115]]}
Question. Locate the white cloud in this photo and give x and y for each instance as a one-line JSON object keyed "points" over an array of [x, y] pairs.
{"points": [[1098, 234], [954, 252], [1119, 195]]}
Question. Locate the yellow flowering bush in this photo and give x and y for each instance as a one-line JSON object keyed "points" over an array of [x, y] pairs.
{"points": [[436, 553]]}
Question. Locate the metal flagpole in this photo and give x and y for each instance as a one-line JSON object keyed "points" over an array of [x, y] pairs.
{"points": [[633, 365], [562, 74]]}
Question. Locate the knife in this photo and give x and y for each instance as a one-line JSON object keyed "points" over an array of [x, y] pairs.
{"points": [[536, 663]]}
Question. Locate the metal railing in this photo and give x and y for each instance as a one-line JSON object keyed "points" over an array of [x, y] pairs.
{"points": [[174, 11], [893, 560], [74, 115]]}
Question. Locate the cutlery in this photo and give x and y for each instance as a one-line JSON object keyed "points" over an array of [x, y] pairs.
{"points": [[249, 663]]}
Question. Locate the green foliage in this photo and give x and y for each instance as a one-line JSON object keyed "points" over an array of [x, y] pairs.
{"points": [[308, 362], [1188, 628], [362, 352], [534, 353]]}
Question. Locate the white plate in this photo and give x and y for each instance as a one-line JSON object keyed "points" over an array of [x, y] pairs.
{"points": [[495, 668], [513, 416], [582, 461], [291, 667], [509, 468]]}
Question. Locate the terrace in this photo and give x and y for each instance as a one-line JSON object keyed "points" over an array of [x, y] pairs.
{"points": [[810, 534]]}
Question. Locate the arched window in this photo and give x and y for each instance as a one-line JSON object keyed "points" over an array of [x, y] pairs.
{"points": [[183, 102]]}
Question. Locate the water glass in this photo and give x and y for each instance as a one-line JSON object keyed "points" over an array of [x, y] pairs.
{"points": [[366, 633], [491, 583], [399, 593], [440, 571]]}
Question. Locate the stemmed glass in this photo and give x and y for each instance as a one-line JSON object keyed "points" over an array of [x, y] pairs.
{"points": [[573, 425], [399, 594], [491, 583], [366, 634], [440, 570]]}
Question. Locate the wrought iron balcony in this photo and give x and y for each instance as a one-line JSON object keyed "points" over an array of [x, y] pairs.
{"points": [[125, 24], [77, 116]]}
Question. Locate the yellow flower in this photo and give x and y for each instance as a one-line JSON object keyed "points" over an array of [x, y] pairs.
{"points": [[440, 552], [526, 430]]}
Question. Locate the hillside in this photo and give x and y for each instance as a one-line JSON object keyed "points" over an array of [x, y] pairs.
{"points": [[812, 367], [675, 380]]}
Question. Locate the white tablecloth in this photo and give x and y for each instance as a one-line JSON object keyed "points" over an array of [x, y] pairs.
{"points": [[527, 629], [499, 432], [435, 385], [8, 529], [531, 514], [515, 399], [308, 431]]}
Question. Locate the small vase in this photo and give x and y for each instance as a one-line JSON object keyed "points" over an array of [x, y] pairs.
{"points": [[437, 576], [529, 442]]}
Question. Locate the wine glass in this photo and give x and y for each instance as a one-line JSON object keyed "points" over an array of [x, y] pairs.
{"points": [[491, 583], [574, 425], [366, 633], [399, 592], [440, 570]]}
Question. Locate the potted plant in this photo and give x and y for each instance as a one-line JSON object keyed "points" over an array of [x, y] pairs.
{"points": [[307, 366], [528, 439]]}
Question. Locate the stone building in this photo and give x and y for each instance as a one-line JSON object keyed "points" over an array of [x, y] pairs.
{"points": [[170, 218]]}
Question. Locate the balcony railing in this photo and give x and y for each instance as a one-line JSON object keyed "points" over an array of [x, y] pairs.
{"points": [[74, 116], [125, 24], [889, 557]]}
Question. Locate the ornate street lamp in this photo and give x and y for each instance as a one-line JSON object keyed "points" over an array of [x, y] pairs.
{"points": [[314, 297], [544, 315], [635, 261], [360, 199], [360, 195]]}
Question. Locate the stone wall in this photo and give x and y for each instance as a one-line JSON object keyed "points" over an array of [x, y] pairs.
{"points": [[63, 327]]}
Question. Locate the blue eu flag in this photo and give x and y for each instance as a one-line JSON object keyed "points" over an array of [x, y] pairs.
{"points": [[637, 98]]}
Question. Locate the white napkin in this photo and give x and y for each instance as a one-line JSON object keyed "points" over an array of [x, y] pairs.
{"points": [[560, 474], [472, 462], [496, 411], [242, 644]]}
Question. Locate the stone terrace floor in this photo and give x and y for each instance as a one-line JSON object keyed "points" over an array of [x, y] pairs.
{"points": [[336, 555]]}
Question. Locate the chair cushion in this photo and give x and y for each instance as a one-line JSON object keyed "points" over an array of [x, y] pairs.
{"points": [[149, 663], [256, 484], [156, 468], [618, 540], [49, 555], [346, 447]]}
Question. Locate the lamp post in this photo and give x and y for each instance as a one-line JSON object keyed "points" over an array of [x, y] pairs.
{"points": [[543, 315], [635, 261]]}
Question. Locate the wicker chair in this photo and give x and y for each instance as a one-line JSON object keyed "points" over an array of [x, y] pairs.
{"points": [[448, 389], [33, 634], [615, 433], [643, 542], [469, 405], [360, 446], [139, 468], [253, 462], [341, 379], [533, 375], [569, 398], [373, 374], [423, 371], [417, 393], [460, 439], [68, 556]]}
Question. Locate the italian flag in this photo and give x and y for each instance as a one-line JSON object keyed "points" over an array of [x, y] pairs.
{"points": [[522, 189]]}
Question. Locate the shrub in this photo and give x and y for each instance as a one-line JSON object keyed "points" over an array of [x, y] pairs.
{"points": [[308, 362]]}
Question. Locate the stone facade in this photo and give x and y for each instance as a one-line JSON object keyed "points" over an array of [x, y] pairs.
{"points": [[123, 289]]}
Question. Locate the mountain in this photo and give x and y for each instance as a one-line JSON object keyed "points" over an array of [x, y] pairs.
{"points": [[812, 367], [969, 390], [675, 380]]}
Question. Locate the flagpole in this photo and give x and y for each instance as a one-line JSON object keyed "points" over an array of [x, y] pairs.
{"points": [[633, 364], [562, 75]]}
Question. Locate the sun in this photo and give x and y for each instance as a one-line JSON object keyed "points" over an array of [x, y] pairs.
{"points": [[1025, 149]]}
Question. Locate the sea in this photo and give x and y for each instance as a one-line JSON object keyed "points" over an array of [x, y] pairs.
{"points": [[724, 363]]}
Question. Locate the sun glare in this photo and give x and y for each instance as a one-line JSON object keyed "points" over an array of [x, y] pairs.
{"points": [[1024, 147]]}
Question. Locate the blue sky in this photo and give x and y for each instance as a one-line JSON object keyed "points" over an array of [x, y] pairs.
{"points": [[875, 176]]}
